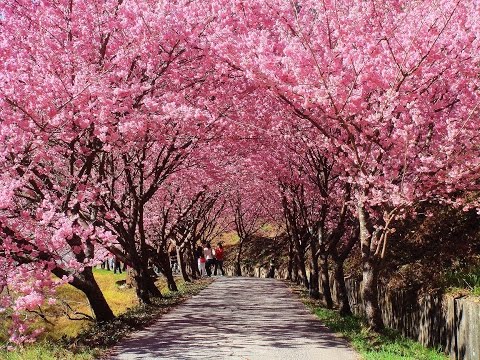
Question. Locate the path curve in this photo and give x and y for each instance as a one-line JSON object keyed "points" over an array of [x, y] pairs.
{"points": [[237, 318]]}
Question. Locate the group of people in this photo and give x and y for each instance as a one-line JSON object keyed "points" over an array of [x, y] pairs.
{"points": [[209, 258], [113, 262]]}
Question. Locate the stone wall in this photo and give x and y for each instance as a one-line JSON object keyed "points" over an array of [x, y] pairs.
{"points": [[438, 321]]}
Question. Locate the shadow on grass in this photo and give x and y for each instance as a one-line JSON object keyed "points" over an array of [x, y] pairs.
{"points": [[104, 335]]}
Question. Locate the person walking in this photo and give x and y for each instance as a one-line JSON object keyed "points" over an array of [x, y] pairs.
{"points": [[201, 261], [117, 265], [207, 251], [219, 260]]}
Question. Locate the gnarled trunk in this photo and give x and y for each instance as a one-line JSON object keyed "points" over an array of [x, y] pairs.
{"points": [[291, 259], [163, 261], [303, 269], [145, 285], [370, 264], [370, 296], [86, 283], [193, 261], [181, 264], [238, 268], [325, 280], [314, 290], [295, 277], [342, 295]]}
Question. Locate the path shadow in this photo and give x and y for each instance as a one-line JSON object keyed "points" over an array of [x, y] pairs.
{"points": [[233, 317]]}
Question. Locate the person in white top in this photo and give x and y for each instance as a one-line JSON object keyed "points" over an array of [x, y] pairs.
{"points": [[201, 261], [207, 251]]}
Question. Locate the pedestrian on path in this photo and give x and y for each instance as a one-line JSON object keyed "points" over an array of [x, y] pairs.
{"points": [[117, 265], [271, 270], [219, 260], [207, 251], [201, 260]]}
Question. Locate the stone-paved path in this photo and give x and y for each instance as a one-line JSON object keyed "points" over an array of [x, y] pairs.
{"points": [[237, 318]]}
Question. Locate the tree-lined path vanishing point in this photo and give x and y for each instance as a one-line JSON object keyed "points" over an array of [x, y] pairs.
{"points": [[237, 318]]}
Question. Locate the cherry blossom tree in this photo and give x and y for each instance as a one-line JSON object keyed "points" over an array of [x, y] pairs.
{"points": [[393, 85], [91, 125], [362, 108]]}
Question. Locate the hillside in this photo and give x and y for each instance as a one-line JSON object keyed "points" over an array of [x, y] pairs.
{"points": [[427, 254]]}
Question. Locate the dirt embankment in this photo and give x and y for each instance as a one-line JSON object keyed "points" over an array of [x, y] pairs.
{"points": [[423, 252]]}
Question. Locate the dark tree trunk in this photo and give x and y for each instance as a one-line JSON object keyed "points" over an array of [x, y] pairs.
{"points": [[342, 295], [291, 256], [193, 261], [87, 284], [325, 279], [339, 259], [164, 263], [145, 284], [296, 277], [172, 285], [181, 264], [314, 290], [238, 267], [303, 270]]}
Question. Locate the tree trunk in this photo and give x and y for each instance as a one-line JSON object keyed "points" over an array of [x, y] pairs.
{"points": [[141, 289], [303, 270], [291, 256], [370, 273], [370, 296], [296, 277], [130, 278], [172, 285], [193, 260], [163, 260], [181, 264], [325, 279], [314, 290], [342, 295], [86, 283], [238, 268], [145, 285]]}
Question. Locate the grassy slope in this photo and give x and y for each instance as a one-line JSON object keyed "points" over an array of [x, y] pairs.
{"points": [[120, 300], [258, 250], [59, 325], [79, 339]]}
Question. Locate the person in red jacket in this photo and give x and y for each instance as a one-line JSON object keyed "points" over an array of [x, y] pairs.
{"points": [[219, 260]]}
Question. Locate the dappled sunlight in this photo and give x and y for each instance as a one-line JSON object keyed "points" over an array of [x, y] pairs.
{"points": [[238, 318]]}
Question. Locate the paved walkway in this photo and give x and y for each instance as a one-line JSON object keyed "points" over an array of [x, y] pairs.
{"points": [[237, 318]]}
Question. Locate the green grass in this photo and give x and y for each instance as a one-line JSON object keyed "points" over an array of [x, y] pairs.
{"points": [[119, 299], [45, 350], [466, 279], [82, 340], [389, 345], [59, 325]]}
